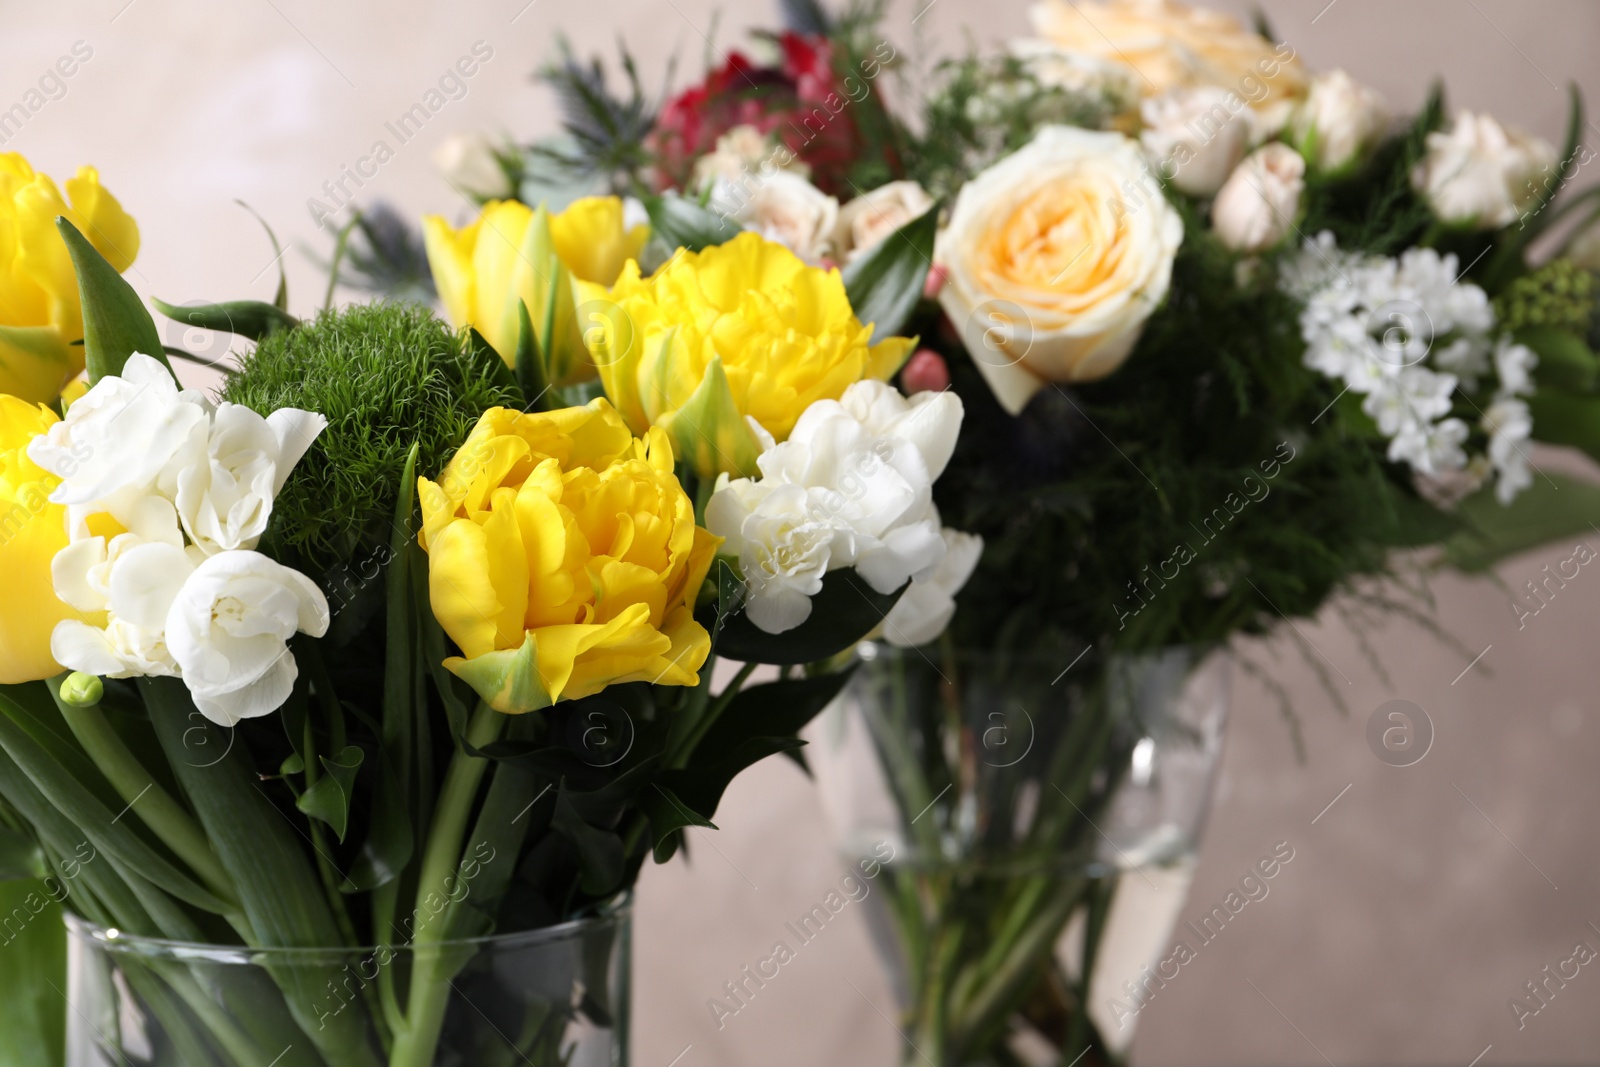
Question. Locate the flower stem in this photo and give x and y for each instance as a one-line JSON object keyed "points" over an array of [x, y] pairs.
{"points": [[430, 989]]}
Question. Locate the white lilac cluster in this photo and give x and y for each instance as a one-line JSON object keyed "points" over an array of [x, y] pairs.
{"points": [[851, 487], [167, 496], [1404, 334]]}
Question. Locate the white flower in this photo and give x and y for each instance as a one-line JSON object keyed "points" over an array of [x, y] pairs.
{"points": [[1195, 137], [1413, 396], [1056, 256], [927, 606], [1340, 120], [865, 221], [1431, 450], [782, 207], [1258, 204], [225, 497], [1513, 365], [1509, 424], [1481, 173], [228, 630], [745, 154], [851, 487], [120, 439], [1078, 73], [133, 580], [469, 163]]}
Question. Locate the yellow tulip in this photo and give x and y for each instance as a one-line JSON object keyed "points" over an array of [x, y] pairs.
{"points": [[563, 557], [40, 315], [32, 531], [510, 252], [742, 329]]}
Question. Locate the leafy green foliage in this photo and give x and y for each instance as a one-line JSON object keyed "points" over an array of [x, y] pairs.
{"points": [[607, 132], [1559, 294], [385, 254], [385, 376], [885, 284]]}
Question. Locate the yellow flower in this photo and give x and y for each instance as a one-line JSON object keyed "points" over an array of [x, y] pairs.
{"points": [[512, 252], [40, 316], [563, 557], [32, 531], [741, 329]]}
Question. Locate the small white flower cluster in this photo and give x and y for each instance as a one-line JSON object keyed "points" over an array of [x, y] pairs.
{"points": [[851, 487], [167, 496], [1405, 334]]}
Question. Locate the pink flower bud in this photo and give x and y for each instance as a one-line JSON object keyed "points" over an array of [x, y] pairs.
{"points": [[925, 372], [934, 282]]}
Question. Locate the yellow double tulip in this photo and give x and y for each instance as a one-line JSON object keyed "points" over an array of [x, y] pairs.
{"points": [[506, 256], [742, 329], [40, 314], [563, 557], [32, 531]]}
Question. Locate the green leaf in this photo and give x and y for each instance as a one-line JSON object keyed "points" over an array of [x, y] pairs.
{"points": [[329, 797], [708, 432], [668, 814], [20, 857], [1539, 514], [1565, 360], [1563, 418], [701, 786], [280, 299], [682, 223], [32, 1008], [530, 368], [489, 361], [247, 318], [885, 284], [115, 322], [778, 709], [846, 610], [600, 853]]}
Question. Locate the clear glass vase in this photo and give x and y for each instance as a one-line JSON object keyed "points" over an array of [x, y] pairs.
{"points": [[1032, 825], [558, 995]]}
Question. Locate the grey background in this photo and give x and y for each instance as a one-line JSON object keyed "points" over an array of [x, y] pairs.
{"points": [[1416, 905]]}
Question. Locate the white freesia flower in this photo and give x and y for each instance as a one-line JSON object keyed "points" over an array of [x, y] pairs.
{"points": [[1510, 425], [133, 582], [1257, 206], [120, 438], [1481, 173], [225, 497], [228, 630], [1340, 120], [784, 207], [469, 163], [1196, 136], [1513, 365], [926, 608], [851, 487], [1056, 256], [865, 221]]}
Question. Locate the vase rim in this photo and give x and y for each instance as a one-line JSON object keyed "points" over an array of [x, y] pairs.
{"points": [[617, 909]]}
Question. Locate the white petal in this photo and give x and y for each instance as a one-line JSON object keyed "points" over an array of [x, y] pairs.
{"points": [[78, 646], [69, 573], [262, 697], [296, 430], [776, 608], [145, 580]]}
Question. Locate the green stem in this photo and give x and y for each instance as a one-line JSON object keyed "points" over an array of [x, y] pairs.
{"points": [[714, 710], [154, 806], [429, 996]]}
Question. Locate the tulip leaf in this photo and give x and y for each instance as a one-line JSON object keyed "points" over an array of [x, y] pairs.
{"points": [[115, 322], [32, 1009], [507, 679], [701, 787], [707, 432], [492, 364], [554, 310], [1560, 507], [328, 798], [683, 223], [20, 856], [247, 318], [846, 610], [778, 709], [1564, 418], [530, 368], [1565, 360], [885, 284], [600, 853], [668, 814], [280, 300]]}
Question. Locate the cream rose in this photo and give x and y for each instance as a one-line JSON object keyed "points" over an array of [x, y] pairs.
{"points": [[1170, 46], [1258, 205], [469, 162], [869, 218], [1339, 122], [1056, 255], [1482, 173], [782, 206], [1195, 137]]}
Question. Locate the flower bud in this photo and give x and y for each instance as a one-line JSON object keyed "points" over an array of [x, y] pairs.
{"points": [[1339, 122], [1258, 204], [468, 162], [81, 690], [925, 372]]}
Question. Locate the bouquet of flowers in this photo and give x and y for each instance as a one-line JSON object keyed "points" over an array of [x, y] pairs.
{"points": [[341, 707], [1232, 342]]}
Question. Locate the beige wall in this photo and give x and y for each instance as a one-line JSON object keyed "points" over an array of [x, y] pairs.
{"points": [[1407, 919]]}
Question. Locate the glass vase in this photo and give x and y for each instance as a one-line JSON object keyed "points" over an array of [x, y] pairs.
{"points": [[558, 995], [1033, 826]]}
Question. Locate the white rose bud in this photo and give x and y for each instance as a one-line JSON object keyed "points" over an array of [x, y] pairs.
{"points": [[229, 627], [784, 207], [1339, 122], [1195, 137], [1257, 206], [1482, 174], [865, 221], [468, 162]]}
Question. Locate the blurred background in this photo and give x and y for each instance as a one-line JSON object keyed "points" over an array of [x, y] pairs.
{"points": [[1421, 899]]}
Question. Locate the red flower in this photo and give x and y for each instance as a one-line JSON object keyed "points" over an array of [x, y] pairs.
{"points": [[799, 102]]}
